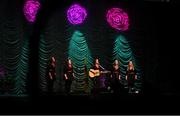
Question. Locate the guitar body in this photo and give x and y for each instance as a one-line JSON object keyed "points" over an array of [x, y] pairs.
{"points": [[94, 73]]}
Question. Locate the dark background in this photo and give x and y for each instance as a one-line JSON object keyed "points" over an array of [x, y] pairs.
{"points": [[152, 36]]}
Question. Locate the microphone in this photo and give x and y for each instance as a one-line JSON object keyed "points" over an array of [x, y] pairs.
{"points": [[102, 67]]}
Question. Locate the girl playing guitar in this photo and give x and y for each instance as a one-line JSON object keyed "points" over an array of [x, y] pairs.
{"points": [[97, 69]]}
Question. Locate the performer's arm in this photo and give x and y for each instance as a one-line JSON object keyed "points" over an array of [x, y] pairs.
{"points": [[73, 76], [50, 75], [135, 77], [65, 71], [111, 73], [126, 75], [119, 77], [65, 75]]}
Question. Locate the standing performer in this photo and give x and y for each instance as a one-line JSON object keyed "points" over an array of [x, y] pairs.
{"points": [[51, 74], [115, 78], [68, 76], [131, 76]]}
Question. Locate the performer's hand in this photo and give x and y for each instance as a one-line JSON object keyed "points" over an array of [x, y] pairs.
{"points": [[126, 77], [73, 76], [136, 77], [50, 76], [119, 77], [65, 76]]}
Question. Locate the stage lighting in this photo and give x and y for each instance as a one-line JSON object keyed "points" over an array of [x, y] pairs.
{"points": [[118, 19], [30, 9], [76, 14]]}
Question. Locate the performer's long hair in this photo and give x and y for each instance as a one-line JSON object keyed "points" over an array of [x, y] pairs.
{"points": [[69, 63], [52, 60], [116, 64], [130, 64], [96, 63]]}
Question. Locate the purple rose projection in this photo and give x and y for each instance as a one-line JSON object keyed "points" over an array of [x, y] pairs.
{"points": [[76, 14], [118, 19], [30, 9]]}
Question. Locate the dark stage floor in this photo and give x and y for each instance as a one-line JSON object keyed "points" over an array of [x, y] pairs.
{"points": [[85, 104]]}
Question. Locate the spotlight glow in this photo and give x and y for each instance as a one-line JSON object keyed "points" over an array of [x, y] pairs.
{"points": [[118, 19], [76, 14], [30, 9]]}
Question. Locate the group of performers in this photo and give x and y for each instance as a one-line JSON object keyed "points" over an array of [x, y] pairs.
{"points": [[95, 73]]}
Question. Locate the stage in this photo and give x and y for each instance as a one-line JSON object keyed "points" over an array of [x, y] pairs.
{"points": [[48, 48]]}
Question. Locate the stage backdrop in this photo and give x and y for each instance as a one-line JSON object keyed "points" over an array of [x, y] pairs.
{"points": [[25, 47]]}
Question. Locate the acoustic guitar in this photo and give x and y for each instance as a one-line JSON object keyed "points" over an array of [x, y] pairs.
{"points": [[94, 73]]}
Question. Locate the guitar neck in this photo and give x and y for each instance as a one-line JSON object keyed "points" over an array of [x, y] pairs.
{"points": [[105, 71]]}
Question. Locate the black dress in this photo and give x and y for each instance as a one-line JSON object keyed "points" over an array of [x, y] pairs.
{"points": [[114, 81], [51, 69], [131, 78], [69, 72]]}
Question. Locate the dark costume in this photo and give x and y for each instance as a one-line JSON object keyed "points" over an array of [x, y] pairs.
{"points": [[69, 72], [114, 81], [51, 69], [131, 78], [96, 81]]}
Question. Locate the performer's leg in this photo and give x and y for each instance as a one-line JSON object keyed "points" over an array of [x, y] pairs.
{"points": [[69, 86], [115, 88], [133, 85], [130, 87], [66, 86], [93, 91], [50, 85]]}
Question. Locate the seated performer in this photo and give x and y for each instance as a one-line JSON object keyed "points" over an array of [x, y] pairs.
{"points": [[68, 76], [131, 76], [115, 78], [51, 74]]}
